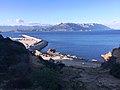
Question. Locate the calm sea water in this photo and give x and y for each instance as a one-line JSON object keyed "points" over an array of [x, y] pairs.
{"points": [[88, 45]]}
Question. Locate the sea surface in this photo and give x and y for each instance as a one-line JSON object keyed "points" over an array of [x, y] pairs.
{"points": [[88, 45]]}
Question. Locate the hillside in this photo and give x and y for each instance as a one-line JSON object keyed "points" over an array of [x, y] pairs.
{"points": [[58, 27], [78, 27]]}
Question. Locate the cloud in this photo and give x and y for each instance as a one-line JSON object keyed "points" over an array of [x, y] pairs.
{"points": [[33, 23], [9, 20], [19, 21]]}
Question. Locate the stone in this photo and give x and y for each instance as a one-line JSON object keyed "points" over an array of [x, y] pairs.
{"points": [[116, 52], [107, 56], [37, 53], [1, 37], [112, 62], [51, 51]]}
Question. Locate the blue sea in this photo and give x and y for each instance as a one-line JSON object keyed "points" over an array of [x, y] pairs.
{"points": [[88, 45]]}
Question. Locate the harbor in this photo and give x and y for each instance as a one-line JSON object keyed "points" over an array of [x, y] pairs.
{"points": [[31, 43]]}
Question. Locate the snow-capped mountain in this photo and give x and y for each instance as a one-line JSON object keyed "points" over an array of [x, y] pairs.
{"points": [[78, 27], [58, 27]]}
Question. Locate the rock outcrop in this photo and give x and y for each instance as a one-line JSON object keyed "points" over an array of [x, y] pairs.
{"points": [[112, 62], [37, 53], [115, 69], [1, 37], [107, 56], [14, 63], [116, 54], [51, 51]]}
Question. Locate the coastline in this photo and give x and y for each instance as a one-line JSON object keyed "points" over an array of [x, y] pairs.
{"points": [[75, 45], [68, 60], [35, 45]]}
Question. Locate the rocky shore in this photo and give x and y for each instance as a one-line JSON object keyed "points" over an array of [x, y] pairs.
{"points": [[51, 54], [23, 69]]}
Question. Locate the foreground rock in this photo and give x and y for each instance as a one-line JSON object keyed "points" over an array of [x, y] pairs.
{"points": [[14, 63], [1, 37], [113, 63]]}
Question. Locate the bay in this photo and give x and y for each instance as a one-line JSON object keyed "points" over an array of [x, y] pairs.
{"points": [[88, 45]]}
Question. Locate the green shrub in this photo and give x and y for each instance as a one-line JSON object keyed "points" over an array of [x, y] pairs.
{"points": [[18, 83], [47, 79]]}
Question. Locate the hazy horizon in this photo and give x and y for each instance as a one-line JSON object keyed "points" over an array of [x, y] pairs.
{"points": [[22, 12]]}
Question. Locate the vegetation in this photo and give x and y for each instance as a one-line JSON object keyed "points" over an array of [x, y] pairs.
{"points": [[47, 79]]}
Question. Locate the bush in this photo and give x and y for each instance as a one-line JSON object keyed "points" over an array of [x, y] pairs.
{"points": [[19, 83], [55, 66], [46, 78]]}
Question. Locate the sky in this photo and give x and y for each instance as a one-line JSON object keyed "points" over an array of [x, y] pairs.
{"points": [[15, 12]]}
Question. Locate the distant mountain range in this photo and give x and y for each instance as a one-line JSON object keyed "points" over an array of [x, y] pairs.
{"points": [[58, 27]]}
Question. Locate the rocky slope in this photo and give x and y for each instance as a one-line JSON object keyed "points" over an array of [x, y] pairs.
{"points": [[14, 63]]}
